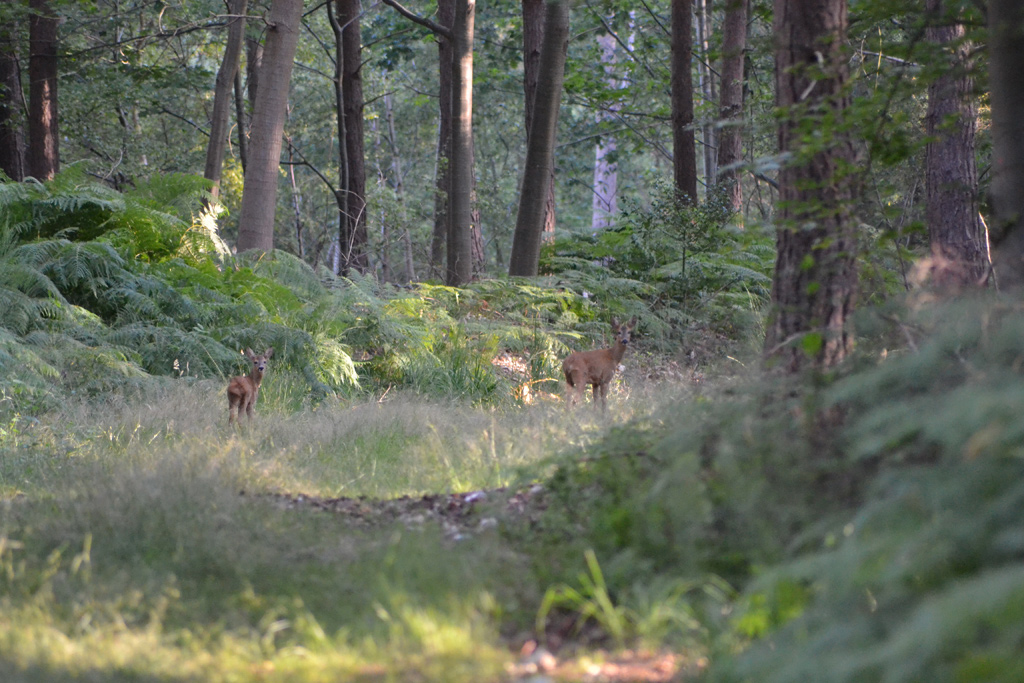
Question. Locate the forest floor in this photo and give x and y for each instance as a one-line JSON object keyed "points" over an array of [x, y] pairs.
{"points": [[568, 653]]}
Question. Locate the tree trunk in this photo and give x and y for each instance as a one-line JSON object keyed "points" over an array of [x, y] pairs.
{"points": [[352, 235], [460, 192], [12, 106], [240, 122], [541, 144], [684, 147], [815, 274], [442, 182], [533, 38], [253, 65], [708, 91], [1006, 84], [603, 205], [43, 147], [259, 196], [955, 231], [730, 135], [221, 118]]}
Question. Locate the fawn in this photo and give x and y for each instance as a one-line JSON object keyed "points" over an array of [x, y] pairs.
{"points": [[242, 391], [596, 367]]}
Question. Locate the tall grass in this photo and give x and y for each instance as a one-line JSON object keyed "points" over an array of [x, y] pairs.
{"points": [[129, 552]]}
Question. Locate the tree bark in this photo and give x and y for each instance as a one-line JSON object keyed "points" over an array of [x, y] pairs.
{"points": [[221, 119], [533, 38], [604, 202], [259, 196], [815, 277], [12, 106], [684, 147], [541, 144], [709, 93], [460, 193], [352, 236], [43, 137], [240, 122], [957, 236], [253, 65], [1006, 84], [730, 135], [442, 182]]}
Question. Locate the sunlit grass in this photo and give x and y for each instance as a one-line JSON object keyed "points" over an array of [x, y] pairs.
{"points": [[130, 553]]}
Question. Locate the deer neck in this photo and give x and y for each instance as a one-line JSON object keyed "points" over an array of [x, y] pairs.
{"points": [[256, 377], [618, 351]]}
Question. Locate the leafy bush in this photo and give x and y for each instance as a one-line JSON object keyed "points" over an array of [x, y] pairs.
{"points": [[687, 263]]}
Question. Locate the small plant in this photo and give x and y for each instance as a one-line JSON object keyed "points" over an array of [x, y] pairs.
{"points": [[591, 601]]}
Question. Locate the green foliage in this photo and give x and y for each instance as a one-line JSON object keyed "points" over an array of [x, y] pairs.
{"points": [[696, 268]]}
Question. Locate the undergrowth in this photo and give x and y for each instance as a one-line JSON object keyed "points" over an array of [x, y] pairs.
{"points": [[864, 525]]}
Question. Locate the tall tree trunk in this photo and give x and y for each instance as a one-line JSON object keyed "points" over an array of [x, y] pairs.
{"points": [[259, 196], [253, 65], [43, 147], [957, 236], [399, 185], [1006, 84], [460, 192], [540, 148], [442, 182], [221, 118], [240, 122], [815, 273], [604, 202], [708, 91], [684, 147], [533, 38], [730, 135], [353, 237], [12, 105]]}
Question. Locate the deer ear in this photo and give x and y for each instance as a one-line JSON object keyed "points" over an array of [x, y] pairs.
{"points": [[615, 323], [632, 323], [248, 353], [269, 352]]}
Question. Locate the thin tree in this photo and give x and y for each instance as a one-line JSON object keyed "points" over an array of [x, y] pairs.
{"points": [[259, 196], [730, 136], [684, 147], [1006, 84], [533, 38], [456, 179], [221, 118], [540, 147], [43, 137], [604, 200], [706, 79], [460, 194], [815, 273], [12, 103], [351, 192], [442, 174]]}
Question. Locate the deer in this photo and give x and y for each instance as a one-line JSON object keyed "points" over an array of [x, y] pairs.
{"points": [[596, 367], [243, 390]]}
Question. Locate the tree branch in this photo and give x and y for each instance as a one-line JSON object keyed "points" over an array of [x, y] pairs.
{"points": [[433, 26]]}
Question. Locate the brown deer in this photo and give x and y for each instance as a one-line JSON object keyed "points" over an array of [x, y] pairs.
{"points": [[242, 391], [596, 367]]}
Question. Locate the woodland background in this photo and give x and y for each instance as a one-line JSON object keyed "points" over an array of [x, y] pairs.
{"points": [[811, 465]]}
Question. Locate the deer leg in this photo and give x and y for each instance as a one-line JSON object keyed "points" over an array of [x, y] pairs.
{"points": [[574, 390]]}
